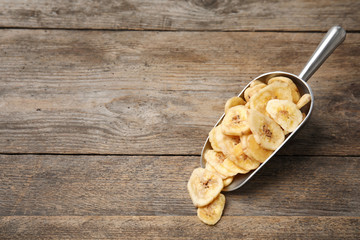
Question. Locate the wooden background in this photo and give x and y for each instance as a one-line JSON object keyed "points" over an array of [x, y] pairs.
{"points": [[105, 105]]}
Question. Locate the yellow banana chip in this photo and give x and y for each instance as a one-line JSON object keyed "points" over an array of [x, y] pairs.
{"points": [[276, 90], [234, 122], [267, 133], [254, 151], [204, 186], [232, 102], [212, 213], [294, 90], [251, 91], [285, 113]]}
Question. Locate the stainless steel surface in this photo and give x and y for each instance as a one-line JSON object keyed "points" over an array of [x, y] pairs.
{"points": [[334, 37]]}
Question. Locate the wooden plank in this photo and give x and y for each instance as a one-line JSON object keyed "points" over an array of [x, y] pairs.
{"points": [[159, 92], [182, 15], [156, 185], [175, 227]]}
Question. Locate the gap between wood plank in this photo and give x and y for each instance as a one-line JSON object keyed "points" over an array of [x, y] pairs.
{"points": [[166, 30], [178, 228], [144, 185]]}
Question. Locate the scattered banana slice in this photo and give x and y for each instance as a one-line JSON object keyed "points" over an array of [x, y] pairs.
{"points": [[267, 133], [254, 151], [251, 91], [211, 213], [303, 100], [285, 113], [204, 186], [234, 122], [232, 102], [213, 140], [276, 90], [294, 90]]}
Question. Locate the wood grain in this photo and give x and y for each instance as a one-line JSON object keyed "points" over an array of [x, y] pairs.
{"points": [[176, 227], [53, 185], [84, 92], [100, 129], [218, 15]]}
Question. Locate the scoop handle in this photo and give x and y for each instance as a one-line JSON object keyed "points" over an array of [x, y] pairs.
{"points": [[333, 38]]}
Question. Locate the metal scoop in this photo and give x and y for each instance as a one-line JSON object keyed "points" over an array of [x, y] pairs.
{"points": [[334, 37]]}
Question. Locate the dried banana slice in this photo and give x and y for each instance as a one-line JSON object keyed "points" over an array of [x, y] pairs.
{"points": [[226, 143], [204, 186], [251, 91], [254, 151], [212, 213], [306, 98], [285, 113], [228, 163], [222, 164], [213, 141], [243, 141], [255, 82], [232, 102], [238, 150], [242, 160], [216, 160], [294, 90], [267, 133], [234, 122], [212, 169], [228, 181], [276, 90]]}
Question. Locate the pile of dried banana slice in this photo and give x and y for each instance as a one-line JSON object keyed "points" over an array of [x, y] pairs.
{"points": [[248, 134]]}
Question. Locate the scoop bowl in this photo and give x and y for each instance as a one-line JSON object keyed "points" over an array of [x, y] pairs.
{"points": [[334, 37]]}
